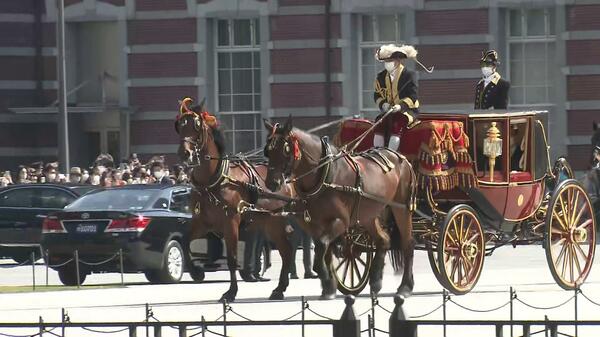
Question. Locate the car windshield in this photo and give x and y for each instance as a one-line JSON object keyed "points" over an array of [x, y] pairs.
{"points": [[115, 199]]}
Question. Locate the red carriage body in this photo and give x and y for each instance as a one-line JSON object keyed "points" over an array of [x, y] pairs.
{"points": [[492, 172]]}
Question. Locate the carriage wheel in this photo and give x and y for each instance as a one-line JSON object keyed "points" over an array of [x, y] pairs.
{"points": [[351, 260], [461, 250], [571, 235], [432, 255]]}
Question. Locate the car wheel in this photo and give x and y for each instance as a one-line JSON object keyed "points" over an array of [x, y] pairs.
{"points": [[197, 274], [173, 262], [152, 276], [68, 275]]}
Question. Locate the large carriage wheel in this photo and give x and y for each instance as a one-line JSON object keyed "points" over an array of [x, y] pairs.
{"points": [[432, 255], [461, 250], [351, 260], [571, 234]]}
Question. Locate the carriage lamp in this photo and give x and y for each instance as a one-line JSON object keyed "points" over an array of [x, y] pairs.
{"points": [[492, 147]]}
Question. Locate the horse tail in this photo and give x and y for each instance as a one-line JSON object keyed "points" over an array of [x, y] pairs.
{"points": [[395, 253]]}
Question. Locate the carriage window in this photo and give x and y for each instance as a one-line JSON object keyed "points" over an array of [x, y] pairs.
{"points": [[239, 83], [376, 30], [489, 151], [518, 146]]}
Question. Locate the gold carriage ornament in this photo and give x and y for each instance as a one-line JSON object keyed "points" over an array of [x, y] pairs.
{"points": [[492, 147]]}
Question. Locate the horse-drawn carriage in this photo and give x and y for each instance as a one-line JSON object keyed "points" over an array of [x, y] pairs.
{"points": [[484, 181]]}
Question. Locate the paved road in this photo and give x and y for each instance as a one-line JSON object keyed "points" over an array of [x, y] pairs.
{"points": [[523, 268]]}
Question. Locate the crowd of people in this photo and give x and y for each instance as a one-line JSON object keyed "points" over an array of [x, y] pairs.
{"points": [[103, 172]]}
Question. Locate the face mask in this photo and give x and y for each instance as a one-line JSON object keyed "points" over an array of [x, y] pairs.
{"points": [[52, 176], [167, 173], [85, 177], [158, 174], [95, 180], [487, 71], [390, 66]]}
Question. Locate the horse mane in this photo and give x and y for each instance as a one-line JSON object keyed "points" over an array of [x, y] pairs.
{"points": [[216, 132]]}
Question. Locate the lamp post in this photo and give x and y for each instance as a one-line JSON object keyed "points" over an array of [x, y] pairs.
{"points": [[63, 119]]}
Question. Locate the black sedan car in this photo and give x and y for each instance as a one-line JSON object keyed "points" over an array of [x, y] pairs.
{"points": [[149, 224], [22, 211]]}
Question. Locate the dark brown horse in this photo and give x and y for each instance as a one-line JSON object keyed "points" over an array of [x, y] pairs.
{"points": [[219, 187], [340, 191]]}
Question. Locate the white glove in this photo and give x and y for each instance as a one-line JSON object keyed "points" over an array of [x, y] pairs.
{"points": [[397, 107], [385, 107]]}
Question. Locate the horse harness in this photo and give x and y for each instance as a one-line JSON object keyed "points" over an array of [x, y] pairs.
{"points": [[221, 177], [326, 179]]}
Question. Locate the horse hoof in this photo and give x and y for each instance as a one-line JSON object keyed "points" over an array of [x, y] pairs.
{"points": [[227, 298], [376, 286], [404, 292], [327, 297], [276, 296]]}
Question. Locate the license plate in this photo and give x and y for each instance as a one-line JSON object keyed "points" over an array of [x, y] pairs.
{"points": [[86, 228]]}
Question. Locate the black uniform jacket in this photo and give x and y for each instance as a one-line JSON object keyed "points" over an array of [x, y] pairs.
{"points": [[403, 90], [494, 95]]}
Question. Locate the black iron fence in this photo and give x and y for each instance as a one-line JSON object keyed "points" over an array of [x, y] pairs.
{"points": [[347, 325]]}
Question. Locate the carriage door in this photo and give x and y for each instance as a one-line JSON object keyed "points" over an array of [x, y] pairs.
{"points": [[524, 193]]}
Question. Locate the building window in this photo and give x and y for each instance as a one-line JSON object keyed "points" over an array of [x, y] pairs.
{"points": [[238, 82], [375, 31], [531, 44]]}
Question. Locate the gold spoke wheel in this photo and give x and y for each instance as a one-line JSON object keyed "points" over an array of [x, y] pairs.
{"points": [[570, 235], [461, 250], [351, 259]]}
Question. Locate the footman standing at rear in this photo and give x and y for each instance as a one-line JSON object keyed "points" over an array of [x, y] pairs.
{"points": [[492, 91]]}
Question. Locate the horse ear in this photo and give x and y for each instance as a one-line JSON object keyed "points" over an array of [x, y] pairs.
{"points": [[288, 125], [268, 125], [202, 104]]}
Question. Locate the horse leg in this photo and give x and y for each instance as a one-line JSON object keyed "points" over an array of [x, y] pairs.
{"points": [[275, 231], [382, 243], [403, 218], [328, 282], [231, 233]]}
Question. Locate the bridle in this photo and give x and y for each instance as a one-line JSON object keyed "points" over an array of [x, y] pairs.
{"points": [[291, 150], [202, 133]]}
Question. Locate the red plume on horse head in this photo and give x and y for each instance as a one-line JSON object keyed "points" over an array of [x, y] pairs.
{"points": [[185, 109]]}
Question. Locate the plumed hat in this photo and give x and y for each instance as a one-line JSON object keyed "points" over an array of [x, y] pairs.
{"points": [[489, 57], [389, 52]]}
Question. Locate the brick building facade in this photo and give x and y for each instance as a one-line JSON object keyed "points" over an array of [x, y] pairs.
{"points": [[130, 61]]}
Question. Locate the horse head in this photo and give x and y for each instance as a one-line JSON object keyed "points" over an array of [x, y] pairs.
{"points": [[192, 128], [283, 151]]}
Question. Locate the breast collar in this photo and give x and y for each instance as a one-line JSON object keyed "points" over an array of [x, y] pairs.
{"points": [[217, 179], [326, 171]]}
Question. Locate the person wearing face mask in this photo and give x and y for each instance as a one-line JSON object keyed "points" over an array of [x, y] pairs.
{"points": [[158, 172], [50, 172], [395, 88], [492, 90], [75, 175]]}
